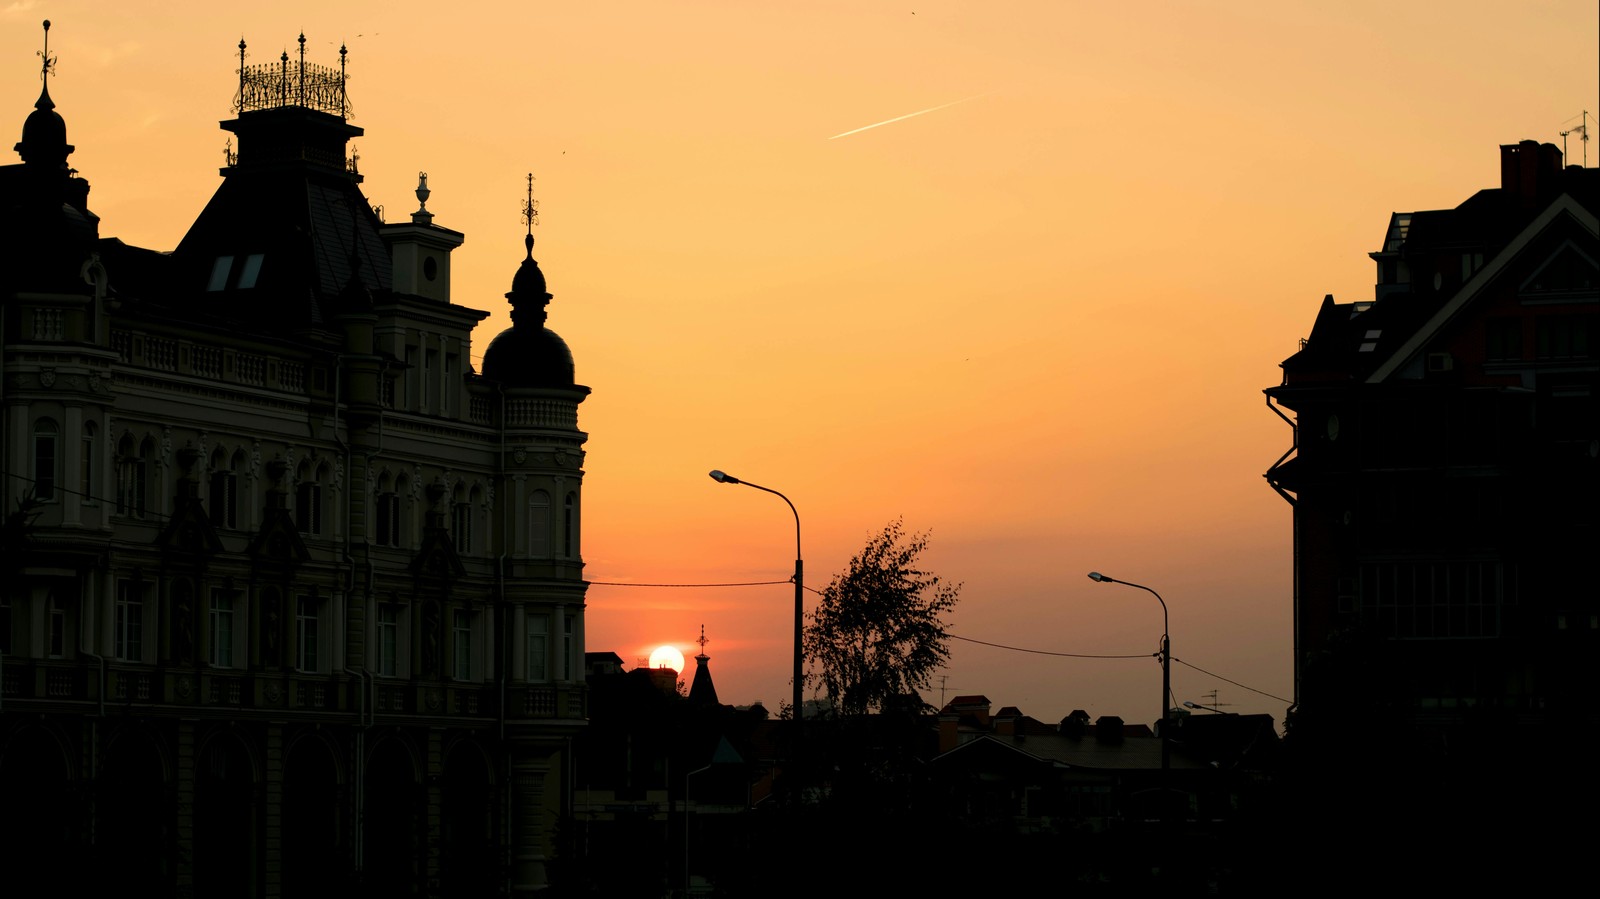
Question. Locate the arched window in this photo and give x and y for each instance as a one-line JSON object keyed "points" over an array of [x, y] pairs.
{"points": [[45, 459], [539, 525]]}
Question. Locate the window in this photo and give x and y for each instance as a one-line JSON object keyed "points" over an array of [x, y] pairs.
{"points": [[538, 650], [388, 524], [131, 478], [569, 527], [388, 639], [130, 622], [219, 273], [308, 508], [1563, 337], [1503, 339], [252, 270], [86, 465], [461, 524], [539, 525], [461, 644], [307, 621], [221, 628], [56, 639], [1435, 599], [224, 492], [44, 459], [566, 649]]}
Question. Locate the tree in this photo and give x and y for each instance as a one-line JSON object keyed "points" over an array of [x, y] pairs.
{"points": [[878, 633]]}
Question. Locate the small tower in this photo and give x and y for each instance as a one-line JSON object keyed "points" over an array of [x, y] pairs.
{"points": [[541, 472], [420, 250], [702, 691]]}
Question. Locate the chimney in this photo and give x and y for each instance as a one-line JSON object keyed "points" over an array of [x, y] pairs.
{"points": [[1108, 729], [1529, 171]]}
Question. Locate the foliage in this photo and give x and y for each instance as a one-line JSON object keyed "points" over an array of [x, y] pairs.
{"points": [[878, 632]]}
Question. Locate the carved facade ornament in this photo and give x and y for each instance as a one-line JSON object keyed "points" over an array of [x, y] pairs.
{"points": [[47, 377]]}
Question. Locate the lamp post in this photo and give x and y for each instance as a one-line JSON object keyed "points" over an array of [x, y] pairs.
{"points": [[799, 588], [1166, 665]]}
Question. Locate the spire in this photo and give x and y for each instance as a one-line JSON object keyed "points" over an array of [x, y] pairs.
{"points": [[702, 691], [528, 287], [44, 132], [47, 67]]}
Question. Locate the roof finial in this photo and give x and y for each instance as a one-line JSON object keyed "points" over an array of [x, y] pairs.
{"points": [[422, 216], [530, 215], [344, 96], [48, 62], [702, 641]]}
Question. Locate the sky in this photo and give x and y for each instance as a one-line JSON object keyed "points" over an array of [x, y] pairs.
{"points": [[1034, 321]]}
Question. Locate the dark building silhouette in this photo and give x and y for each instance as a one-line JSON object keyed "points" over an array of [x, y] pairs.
{"points": [[666, 785], [292, 599], [1446, 461], [1445, 485]]}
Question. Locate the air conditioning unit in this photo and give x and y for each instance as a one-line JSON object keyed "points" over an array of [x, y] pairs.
{"points": [[1441, 362]]}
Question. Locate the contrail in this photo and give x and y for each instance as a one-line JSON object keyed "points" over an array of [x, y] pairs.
{"points": [[909, 115]]}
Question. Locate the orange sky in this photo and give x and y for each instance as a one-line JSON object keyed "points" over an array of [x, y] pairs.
{"points": [[1037, 322]]}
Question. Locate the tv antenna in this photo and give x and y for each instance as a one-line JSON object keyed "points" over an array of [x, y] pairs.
{"points": [[1582, 130]]}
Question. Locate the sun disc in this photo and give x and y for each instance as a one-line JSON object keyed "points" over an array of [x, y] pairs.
{"points": [[667, 657]]}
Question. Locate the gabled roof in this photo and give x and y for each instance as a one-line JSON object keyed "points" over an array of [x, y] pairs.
{"points": [[1565, 205]]}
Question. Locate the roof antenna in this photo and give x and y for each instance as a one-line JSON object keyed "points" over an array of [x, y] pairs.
{"points": [[1581, 130]]}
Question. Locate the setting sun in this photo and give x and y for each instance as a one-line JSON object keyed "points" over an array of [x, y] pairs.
{"points": [[667, 657]]}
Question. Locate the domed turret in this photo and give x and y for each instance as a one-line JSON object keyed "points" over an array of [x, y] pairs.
{"points": [[528, 354], [44, 132]]}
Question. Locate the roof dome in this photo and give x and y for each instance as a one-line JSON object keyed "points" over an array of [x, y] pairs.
{"points": [[529, 357], [528, 354], [44, 134]]}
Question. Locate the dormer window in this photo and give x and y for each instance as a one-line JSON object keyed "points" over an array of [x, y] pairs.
{"points": [[222, 271], [219, 273], [252, 270]]}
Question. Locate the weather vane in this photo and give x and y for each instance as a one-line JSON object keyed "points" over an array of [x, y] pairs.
{"points": [[48, 66], [530, 208]]}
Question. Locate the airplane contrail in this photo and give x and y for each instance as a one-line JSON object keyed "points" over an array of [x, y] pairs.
{"points": [[909, 115]]}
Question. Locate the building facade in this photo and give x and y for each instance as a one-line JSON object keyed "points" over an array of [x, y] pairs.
{"points": [[293, 596], [1445, 478]]}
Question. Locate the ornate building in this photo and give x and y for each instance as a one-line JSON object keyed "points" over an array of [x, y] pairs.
{"points": [[293, 597]]}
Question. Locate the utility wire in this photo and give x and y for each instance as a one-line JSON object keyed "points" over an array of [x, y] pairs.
{"points": [[1234, 682], [743, 584], [1045, 652]]}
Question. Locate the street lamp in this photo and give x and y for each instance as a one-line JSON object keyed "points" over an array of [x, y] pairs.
{"points": [[1166, 665], [799, 586]]}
